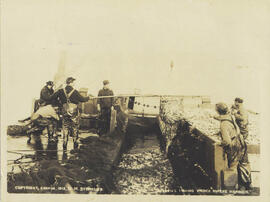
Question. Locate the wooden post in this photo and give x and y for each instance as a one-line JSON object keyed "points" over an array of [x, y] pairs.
{"points": [[220, 164], [113, 120], [33, 106]]}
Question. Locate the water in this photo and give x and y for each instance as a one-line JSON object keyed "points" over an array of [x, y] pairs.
{"points": [[23, 154]]}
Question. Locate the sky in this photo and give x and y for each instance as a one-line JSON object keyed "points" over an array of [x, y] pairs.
{"points": [[218, 48]]}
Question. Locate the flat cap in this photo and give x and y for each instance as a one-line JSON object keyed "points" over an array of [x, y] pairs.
{"points": [[239, 100], [105, 82], [50, 83], [70, 80], [222, 108]]}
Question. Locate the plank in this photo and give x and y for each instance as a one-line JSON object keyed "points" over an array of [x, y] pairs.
{"points": [[113, 120]]}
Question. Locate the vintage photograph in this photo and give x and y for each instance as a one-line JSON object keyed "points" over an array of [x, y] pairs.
{"points": [[132, 97]]}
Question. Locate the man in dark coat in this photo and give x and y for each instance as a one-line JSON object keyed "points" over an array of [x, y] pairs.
{"points": [[45, 96], [70, 119], [105, 105], [75, 97]]}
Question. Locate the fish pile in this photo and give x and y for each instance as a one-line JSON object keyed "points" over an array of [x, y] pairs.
{"points": [[168, 131], [148, 172], [203, 120], [254, 129], [171, 112]]}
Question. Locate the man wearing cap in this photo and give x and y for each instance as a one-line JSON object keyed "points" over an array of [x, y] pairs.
{"points": [[45, 96], [104, 106], [75, 97], [241, 116], [69, 98], [46, 93]]}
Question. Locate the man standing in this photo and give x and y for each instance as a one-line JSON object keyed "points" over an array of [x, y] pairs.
{"points": [[69, 99], [241, 116], [104, 106], [234, 146]]}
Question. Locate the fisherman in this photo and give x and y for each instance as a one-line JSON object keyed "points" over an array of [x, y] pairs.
{"points": [[234, 146], [45, 98], [46, 93], [241, 116], [105, 106], [69, 99]]}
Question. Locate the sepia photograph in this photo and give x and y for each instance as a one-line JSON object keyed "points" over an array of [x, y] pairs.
{"points": [[133, 98]]}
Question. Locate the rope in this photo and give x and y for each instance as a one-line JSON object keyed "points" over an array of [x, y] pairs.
{"points": [[146, 95], [20, 163], [12, 151], [32, 161], [143, 107]]}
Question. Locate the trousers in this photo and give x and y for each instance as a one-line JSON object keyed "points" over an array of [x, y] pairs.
{"points": [[105, 118], [238, 159], [70, 129]]}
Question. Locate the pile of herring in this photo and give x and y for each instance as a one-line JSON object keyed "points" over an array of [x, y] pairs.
{"points": [[172, 112], [148, 172]]}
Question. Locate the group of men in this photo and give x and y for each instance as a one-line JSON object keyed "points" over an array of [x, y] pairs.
{"points": [[65, 101], [233, 127], [234, 132]]}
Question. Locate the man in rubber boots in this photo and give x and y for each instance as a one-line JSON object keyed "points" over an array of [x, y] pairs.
{"points": [[69, 99], [234, 146]]}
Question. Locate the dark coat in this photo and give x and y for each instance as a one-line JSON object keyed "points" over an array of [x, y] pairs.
{"points": [[75, 98], [105, 102], [46, 95]]}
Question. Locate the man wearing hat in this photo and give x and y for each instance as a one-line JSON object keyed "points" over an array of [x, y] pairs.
{"points": [[68, 99], [46, 93], [241, 116], [105, 105], [75, 97], [45, 96]]}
